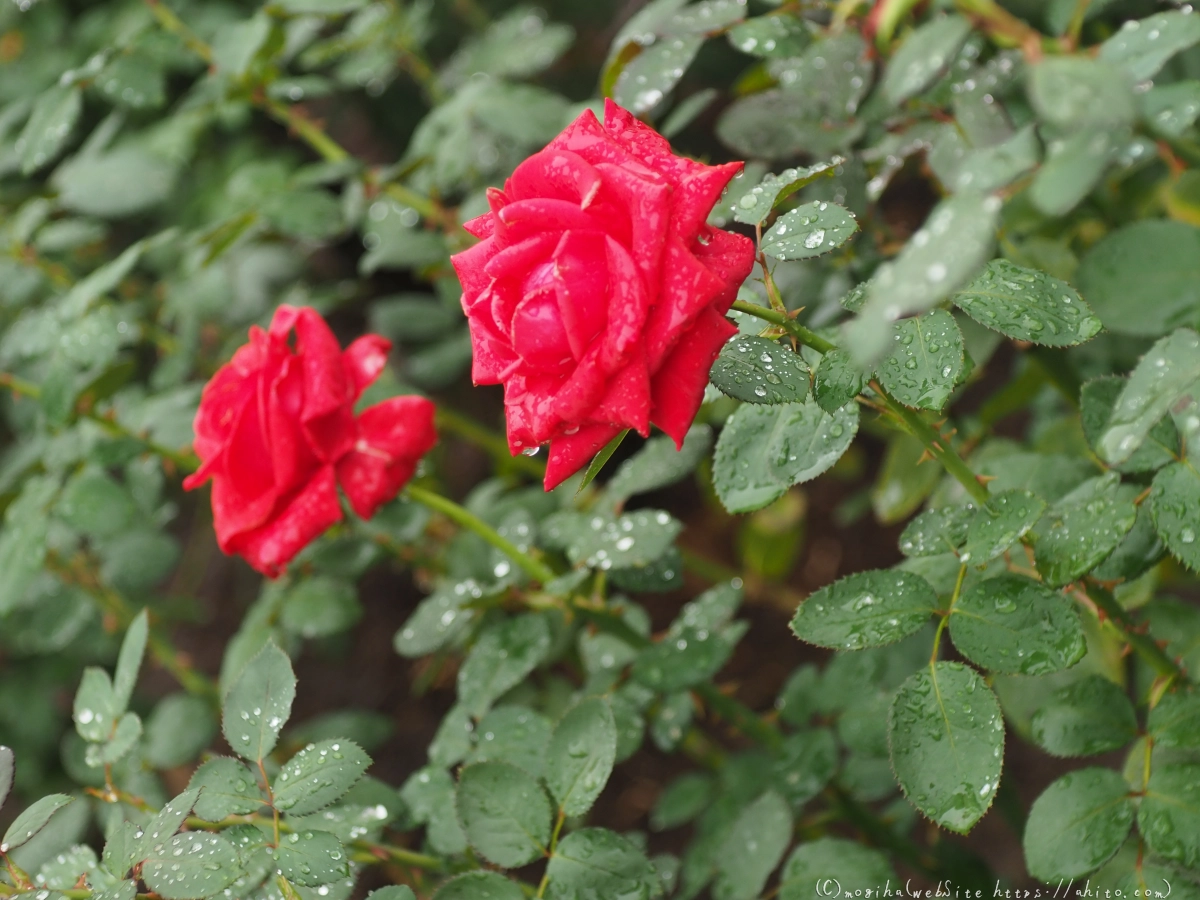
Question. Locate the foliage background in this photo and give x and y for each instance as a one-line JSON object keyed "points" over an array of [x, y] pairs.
{"points": [[171, 172]]}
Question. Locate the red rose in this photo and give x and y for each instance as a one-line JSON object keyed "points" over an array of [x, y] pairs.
{"points": [[276, 433], [598, 294]]}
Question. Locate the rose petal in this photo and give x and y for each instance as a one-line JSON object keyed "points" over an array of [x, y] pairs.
{"points": [[628, 307], [678, 385], [308, 513], [491, 354], [626, 402], [392, 438], [364, 360], [283, 321], [480, 226], [570, 453], [556, 173], [687, 288], [291, 458], [538, 335], [646, 144], [581, 274], [696, 195], [728, 256], [649, 205], [587, 137], [516, 260], [525, 218], [470, 265]]}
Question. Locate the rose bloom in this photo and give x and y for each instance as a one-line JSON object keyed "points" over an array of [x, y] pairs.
{"points": [[276, 433], [597, 295]]}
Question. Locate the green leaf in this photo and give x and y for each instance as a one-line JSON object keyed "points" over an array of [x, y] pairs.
{"points": [[658, 464], [925, 54], [1097, 399], [807, 763], [319, 775], [23, 540], [1173, 503], [757, 370], [95, 504], [868, 609], [1082, 528], [479, 886], [1088, 716], [513, 734], [1074, 92], [1169, 816], [204, 865], [95, 710], [166, 822], [1074, 166], [998, 524], [764, 450], [1028, 305], [403, 892], [504, 812], [853, 866], [1175, 721], [437, 620], [949, 248], [686, 656], [1014, 625], [753, 847], [312, 858], [633, 539], [320, 606], [129, 661], [49, 127], [1142, 47], [809, 230], [123, 738], [653, 73], [682, 801], [837, 381], [946, 736], [133, 80], [1077, 824], [120, 182], [778, 123], [600, 459], [926, 360], [7, 767], [227, 788], [259, 703], [516, 45], [32, 820], [754, 206], [597, 864], [429, 795], [581, 755], [178, 729], [504, 654], [670, 718], [771, 36], [1144, 278], [1171, 109]]}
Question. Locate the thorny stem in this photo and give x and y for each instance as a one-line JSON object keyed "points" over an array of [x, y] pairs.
{"points": [[806, 336], [1002, 26], [467, 519], [1144, 646]]}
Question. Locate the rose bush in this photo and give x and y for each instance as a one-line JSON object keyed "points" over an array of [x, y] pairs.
{"points": [[276, 434], [597, 295]]}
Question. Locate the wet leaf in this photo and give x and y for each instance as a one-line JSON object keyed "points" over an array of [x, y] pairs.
{"points": [[504, 812], [990, 168], [777, 124], [1081, 529], [855, 868], [1139, 550], [633, 539], [1144, 277], [205, 865], [429, 795], [1142, 47], [227, 788], [1169, 816], [7, 766], [1014, 625], [946, 736], [1086, 717], [1077, 824], [772, 36], [598, 864], [319, 775], [998, 524], [513, 734], [516, 45], [581, 755], [757, 370], [1074, 165], [259, 703], [504, 654], [936, 531], [312, 858], [687, 655], [764, 450], [1074, 92], [653, 73], [753, 847], [925, 362], [658, 464], [1175, 721], [809, 230], [1028, 305], [682, 800], [1167, 373], [867, 609], [133, 80], [1097, 400], [926, 53], [807, 763], [479, 885], [1174, 501], [1171, 109], [49, 127], [438, 619], [837, 381], [948, 249], [32, 820]]}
